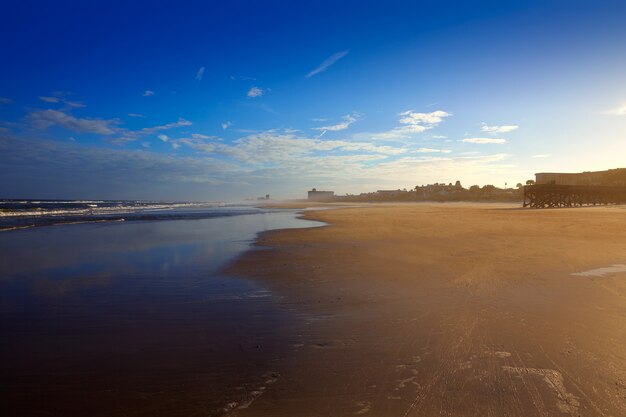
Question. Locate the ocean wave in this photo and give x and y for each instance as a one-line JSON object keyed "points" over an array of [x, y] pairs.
{"points": [[25, 214]]}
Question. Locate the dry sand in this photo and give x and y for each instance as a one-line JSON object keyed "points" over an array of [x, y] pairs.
{"points": [[449, 310]]}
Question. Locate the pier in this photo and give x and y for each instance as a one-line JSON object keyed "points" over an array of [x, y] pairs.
{"points": [[555, 195]]}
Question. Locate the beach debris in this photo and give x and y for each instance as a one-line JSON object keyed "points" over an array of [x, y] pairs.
{"points": [[251, 396], [366, 406], [602, 272], [566, 402]]}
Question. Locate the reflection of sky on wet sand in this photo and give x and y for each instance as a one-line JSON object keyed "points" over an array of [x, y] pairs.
{"points": [[107, 310]]}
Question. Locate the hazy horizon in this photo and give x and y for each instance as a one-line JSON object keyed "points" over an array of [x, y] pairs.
{"points": [[198, 101]]}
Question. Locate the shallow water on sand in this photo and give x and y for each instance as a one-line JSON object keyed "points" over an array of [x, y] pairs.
{"points": [[133, 319]]}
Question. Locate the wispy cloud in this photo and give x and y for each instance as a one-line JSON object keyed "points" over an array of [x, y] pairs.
{"points": [[327, 63], [496, 130], [255, 92], [201, 136], [43, 119], [431, 150], [200, 74], [411, 123], [59, 97], [76, 168], [226, 125], [147, 93], [126, 135], [48, 99], [347, 120], [483, 141], [544, 155], [136, 115], [242, 78], [618, 111], [179, 123], [4, 100], [284, 147]]}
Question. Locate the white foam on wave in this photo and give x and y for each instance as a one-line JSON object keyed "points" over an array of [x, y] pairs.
{"points": [[94, 209], [602, 272]]}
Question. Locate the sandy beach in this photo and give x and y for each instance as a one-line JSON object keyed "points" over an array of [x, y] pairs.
{"points": [[449, 310]]}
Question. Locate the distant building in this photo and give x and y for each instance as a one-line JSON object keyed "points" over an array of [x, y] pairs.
{"points": [[315, 195], [391, 193], [613, 177]]}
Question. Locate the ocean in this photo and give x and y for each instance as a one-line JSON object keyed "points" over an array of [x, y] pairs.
{"points": [[119, 308]]}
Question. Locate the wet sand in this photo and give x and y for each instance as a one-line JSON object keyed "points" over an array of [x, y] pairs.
{"points": [[449, 310], [131, 319]]}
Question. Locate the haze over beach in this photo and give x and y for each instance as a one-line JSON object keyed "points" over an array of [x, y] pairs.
{"points": [[346, 208]]}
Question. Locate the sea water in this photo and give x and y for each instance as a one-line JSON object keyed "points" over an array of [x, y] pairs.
{"points": [[110, 317]]}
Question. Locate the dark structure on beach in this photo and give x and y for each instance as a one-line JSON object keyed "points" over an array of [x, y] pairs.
{"points": [[551, 190], [315, 195]]}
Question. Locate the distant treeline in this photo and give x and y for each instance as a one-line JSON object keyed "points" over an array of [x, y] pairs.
{"points": [[440, 192]]}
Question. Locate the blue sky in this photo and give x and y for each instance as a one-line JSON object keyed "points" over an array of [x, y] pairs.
{"points": [[199, 100]]}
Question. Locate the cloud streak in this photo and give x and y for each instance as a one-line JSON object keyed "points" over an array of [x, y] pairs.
{"points": [[496, 130], [200, 74], [347, 121], [484, 141], [44, 119], [327, 63], [59, 97]]}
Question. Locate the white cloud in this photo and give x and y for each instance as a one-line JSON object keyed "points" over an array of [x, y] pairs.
{"points": [[413, 118], [59, 97], [411, 123], [43, 119], [483, 141], [327, 63], [75, 167], [133, 135], [618, 111], [347, 121], [226, 125], [200, 74], [74, 104], [147, 93], [179, 123], [255, 92], [49, 99], [201, 136], [164, 138], [545, 155], [431, 150], [285, 147], [494, 130]]}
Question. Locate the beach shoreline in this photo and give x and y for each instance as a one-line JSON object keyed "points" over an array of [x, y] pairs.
{"points": [[447, 309]]}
